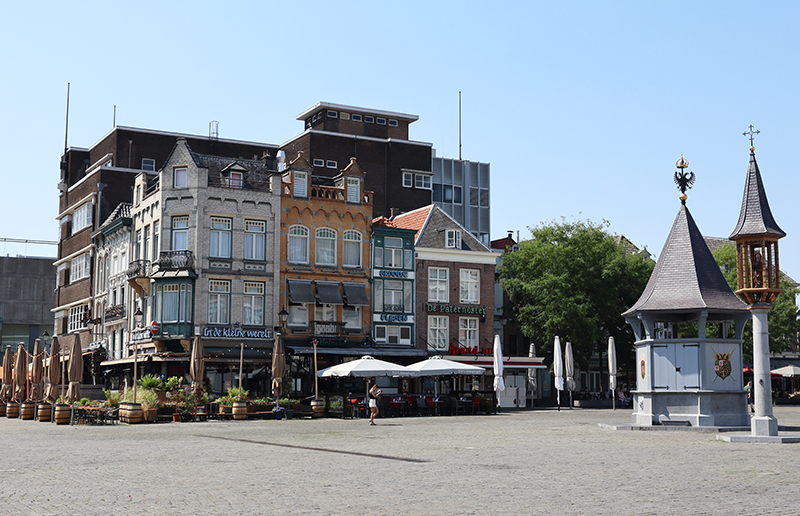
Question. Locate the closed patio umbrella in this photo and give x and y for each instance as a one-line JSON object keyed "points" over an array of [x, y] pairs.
{"points": [[36, 371], [532, 370], [612, 371], [20, 373], [558, 369], [197, 369], [53, 371], [497, 365], [75, 370], [278, 366], [569, 370], [8, 377]]}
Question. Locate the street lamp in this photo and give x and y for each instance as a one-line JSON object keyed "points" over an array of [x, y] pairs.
{"points": [[283, 316], [137, 317]]}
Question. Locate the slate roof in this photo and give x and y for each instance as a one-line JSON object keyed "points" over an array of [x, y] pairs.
{"points": [[686, 277], [122, 211], [433, 216], [755, 217]]}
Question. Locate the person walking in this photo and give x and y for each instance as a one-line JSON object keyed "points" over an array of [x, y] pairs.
{"points": [[373, 394], [749, 390]]}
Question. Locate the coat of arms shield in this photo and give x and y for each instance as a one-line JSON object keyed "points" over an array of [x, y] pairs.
{"points": [[722, 364]]}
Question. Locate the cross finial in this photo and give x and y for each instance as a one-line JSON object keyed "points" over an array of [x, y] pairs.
{"points": [[751, 134]]}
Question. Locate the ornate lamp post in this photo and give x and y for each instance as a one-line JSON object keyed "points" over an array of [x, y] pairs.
{"points": [[758, 284], [137, 317]]}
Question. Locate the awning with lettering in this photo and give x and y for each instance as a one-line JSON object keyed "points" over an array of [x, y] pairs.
{"points": [[301, 291], [329, 293], [356, 294]]}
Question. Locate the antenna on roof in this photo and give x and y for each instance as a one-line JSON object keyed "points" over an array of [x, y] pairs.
{"points": [[115, 116], [66, 130], [459, 126]]}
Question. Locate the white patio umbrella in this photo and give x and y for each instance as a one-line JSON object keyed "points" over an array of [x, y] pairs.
{"points": [[438, 366], [531, 370], [787, 371], [569, 370], [558, 369], [612, 371], [367, 366]]}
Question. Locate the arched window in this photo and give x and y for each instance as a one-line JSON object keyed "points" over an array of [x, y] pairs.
{"points": [[298, 244], [325, 245], [351, 251]]}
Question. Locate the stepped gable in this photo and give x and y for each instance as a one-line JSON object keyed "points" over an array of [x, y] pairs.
{"points": [[755, 217], [686, 277]]}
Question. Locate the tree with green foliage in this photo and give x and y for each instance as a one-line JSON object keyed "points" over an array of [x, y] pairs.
{"points": [[573, 279], [782, 319]]}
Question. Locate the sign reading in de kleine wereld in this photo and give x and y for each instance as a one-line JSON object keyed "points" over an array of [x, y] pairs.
{"points": [[450, 309], [215, 331]]}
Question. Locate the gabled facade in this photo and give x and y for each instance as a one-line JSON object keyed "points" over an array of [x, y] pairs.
{"points": [[393, 284]]}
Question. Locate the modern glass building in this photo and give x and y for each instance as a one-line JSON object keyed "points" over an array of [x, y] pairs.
{"points": [[461, 189]]}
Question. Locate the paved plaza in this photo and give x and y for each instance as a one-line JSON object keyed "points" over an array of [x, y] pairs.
{"points": [[525, 462]]}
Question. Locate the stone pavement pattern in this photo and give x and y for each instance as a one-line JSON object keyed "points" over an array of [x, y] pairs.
{"points": [[527, 462]]}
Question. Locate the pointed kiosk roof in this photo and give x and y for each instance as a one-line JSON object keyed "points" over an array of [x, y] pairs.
{"points": [[755, 217], [686, 278]]}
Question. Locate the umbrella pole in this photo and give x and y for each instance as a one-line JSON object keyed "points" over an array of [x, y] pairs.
{"points": [[570, 400], [241, 363], [62, 375], [135, 368], [316, 378]]}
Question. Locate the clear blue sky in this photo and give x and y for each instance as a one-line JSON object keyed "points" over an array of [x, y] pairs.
{"points": [[582, 108]]}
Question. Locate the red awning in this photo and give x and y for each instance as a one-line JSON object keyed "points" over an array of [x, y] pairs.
{"points": [[508, 362]]}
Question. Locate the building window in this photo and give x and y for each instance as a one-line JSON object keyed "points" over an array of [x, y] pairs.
{"points": [[298, 314], [325, 244], [218, 301], [300, 189], [438, 291], [220, 237], [149, 164], [479, 197], [236, 180], [353, 190], [393, 252], [381, 121], [422, 181], [325, 313], [146, 243], [356, 118], [351, 249], [186, 303], [453, 239], [156, 228], [438, 331], [319, 162], [253, 303], [393, 123], [470, 286], [393, 296], [79, 268], [344, 116], [138, 244], [179, 180], [298, 244], [369, 119], [180, 233], [393, 334], [408, 179], [351, 317], [468, 332], [82, 218], [331, 164], [332, 114], [76, 316], [170, 303], [254, 239], [456, 195]]}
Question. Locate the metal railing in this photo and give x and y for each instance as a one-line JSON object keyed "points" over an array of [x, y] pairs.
{"points": [[175, 260], [115, 312], [328, 328], [138, 269]]}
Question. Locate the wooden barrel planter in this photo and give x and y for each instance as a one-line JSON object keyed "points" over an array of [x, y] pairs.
{"points": [[12, 410], [44, 412], [239, 410], [2, 410], [317, 408], [27, 410], [63, 414], [150, 414], [135, 414], [123, 412]]}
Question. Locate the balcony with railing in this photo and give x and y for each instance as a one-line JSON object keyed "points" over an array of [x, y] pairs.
{"points": [[258, 183], [114, 313], [397, 309], [328, 328], [175, 260], [138, 274]]}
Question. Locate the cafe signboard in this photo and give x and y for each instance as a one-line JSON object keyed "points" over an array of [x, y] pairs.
{"points": [[224, 332], [453, 309]]}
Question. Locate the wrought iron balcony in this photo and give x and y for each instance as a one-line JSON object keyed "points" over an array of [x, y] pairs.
{"points": [[138, 269], [115, 312], [328, 328], [175, 260], [393, 308]]}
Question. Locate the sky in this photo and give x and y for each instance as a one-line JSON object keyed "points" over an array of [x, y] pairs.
{"points": [[582, 108]]}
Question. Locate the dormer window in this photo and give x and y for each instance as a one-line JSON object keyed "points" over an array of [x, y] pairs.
{"points": [[353, 190], [453, 239], [300, 184], [236, 179], [179, 180]]}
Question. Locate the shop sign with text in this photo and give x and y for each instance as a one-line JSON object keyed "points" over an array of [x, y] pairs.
{"points": [[236, 333], [451, 309], [462, 350]]}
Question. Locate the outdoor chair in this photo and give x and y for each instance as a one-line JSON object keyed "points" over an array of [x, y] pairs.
{"points": [[422, 405]]}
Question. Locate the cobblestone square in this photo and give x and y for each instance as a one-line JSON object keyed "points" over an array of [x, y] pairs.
{"points": [[525, 462]]}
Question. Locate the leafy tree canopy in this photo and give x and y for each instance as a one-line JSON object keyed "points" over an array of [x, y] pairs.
{"points": [[573, 279], [782, 319]]}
